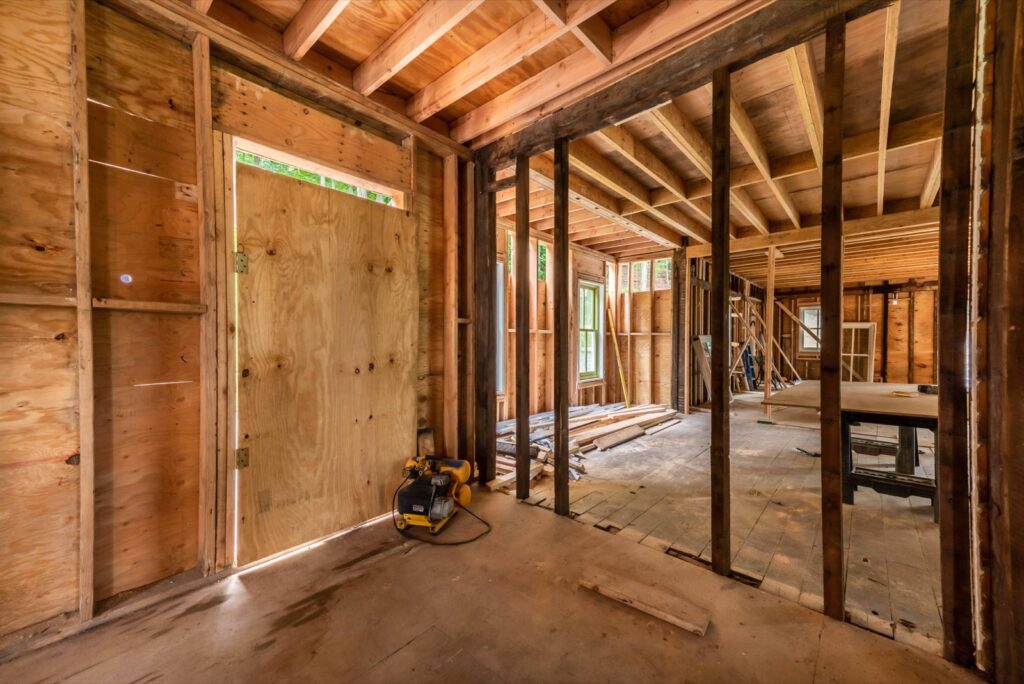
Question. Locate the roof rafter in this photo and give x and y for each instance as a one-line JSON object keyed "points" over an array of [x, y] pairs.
{"points": [[745, 132], [311, 22], [603, 204], [412, 38], [643, 40], [596, 37], [933, 179], [593, 163], [688, 140], [808, 94], [528, 35], [892, 19]]}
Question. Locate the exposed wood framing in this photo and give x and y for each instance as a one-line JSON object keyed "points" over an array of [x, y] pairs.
{"points": [[892, 20], [688, 140], [832, 319], [83, 294], [432, 21], [808, 94], [484, 333], [933, 179], [666, 28], [208, 297], [755, 36], [769, 328], [1001, 327], [311, 22], [721, 555], [899, 223], [596, 37], [523, 297], [745, 132], [679, 344], [178, 19], [597, 166], [450, 211], [560, 263], [517, 43], [954, 233], [589, 196]]}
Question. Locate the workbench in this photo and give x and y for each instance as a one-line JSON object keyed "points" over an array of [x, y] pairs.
{"points": [[880, 403]]}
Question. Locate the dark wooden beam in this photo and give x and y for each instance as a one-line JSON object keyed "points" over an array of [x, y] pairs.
{"points": [[954, 290], [561, 276], [721, 556], [522, 259], [1001, 404], [832, 319], [773, 29], [484, 325], [678, 307]]}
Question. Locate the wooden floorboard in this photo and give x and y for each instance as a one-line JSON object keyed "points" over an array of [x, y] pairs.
{"points": [[655, 491]]}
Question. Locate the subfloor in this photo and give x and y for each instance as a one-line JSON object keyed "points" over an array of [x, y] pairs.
{"points": [[371, 606], [655, 491]]}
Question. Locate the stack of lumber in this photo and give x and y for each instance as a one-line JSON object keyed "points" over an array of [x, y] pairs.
{"points": [[592, 427]]}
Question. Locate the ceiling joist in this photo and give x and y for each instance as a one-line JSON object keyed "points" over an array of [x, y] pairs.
{"points": [[312, 21]]}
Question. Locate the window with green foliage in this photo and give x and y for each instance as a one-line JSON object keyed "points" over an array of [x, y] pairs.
{"points": [[542, 261], [623, 278], [641, 276], [591, 331], [261, 162], [662, 274]]}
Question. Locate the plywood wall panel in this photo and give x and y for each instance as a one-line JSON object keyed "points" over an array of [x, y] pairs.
{"points": [[38, 469], [662, 311], [898, 359], [36, 234], [147, 446], [924, 337], [248, 110], [138, 70], [131, 142], [327, 388], [144, 237], [662, 369]]}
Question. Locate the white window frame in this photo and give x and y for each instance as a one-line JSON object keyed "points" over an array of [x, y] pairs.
{"points": [[807, 343], [598, 373]]}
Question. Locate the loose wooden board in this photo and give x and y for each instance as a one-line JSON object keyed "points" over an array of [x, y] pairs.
{"points": [[618, 437], [648, 599]]}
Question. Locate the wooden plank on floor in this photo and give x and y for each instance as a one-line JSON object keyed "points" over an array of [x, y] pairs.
{"points": [[649, 599]]}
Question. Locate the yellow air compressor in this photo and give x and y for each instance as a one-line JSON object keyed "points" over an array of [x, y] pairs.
{"points": [[437, 490]]}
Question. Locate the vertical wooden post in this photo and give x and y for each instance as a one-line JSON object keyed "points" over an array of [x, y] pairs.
{"points": [[687, 334], [83, 299], [1000, 479], [467, 396], [485, 322], [523, 296], [832, 318], [450, 413], [678, 308], [561, 326], [769, 330], [721, 554], [208, 322], [954, 282]]}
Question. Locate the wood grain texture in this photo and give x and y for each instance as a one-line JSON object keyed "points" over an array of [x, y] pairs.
{"points": [[147, 447], [38, 486], [327, 385], [833, 580], [139, 70], [131, 142], [37, 253], [560, 325], [144, 232], [722, 102], [249, 110]]}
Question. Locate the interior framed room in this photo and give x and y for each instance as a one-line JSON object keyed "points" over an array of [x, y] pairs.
{"points": [[689, 321]]}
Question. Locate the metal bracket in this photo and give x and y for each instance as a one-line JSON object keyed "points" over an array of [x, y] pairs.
{"points": [[241, 262], [242, 458]]}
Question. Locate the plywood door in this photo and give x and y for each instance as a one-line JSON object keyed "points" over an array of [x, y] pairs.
{"points": [[326, 359]]}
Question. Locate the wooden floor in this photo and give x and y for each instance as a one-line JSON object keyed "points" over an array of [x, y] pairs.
{"points": [[656, 491], [371, 606]]}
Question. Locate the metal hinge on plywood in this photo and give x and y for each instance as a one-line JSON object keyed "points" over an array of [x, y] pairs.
{"points": [[242, 458], [241, 262]]}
